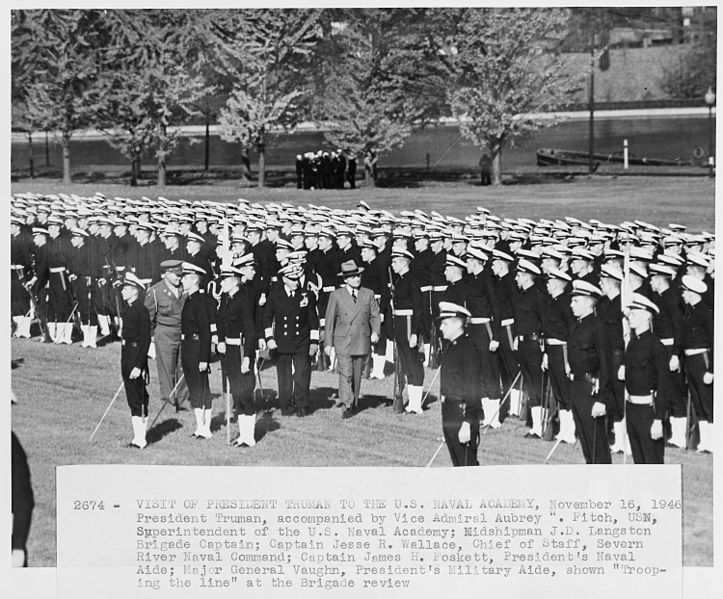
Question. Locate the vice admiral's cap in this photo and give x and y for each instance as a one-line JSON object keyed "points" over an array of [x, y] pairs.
{"points": [[584, 289], [694, 284], [291, 271], [452, 310]]}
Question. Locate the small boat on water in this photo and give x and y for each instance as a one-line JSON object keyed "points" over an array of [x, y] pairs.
{"points": [[550, 156]]}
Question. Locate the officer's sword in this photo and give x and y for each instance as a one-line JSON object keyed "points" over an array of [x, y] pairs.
{"points": [[110, 405], [170, 395]]}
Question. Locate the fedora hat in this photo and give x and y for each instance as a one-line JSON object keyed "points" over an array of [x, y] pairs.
{"points": [[350, 269]]}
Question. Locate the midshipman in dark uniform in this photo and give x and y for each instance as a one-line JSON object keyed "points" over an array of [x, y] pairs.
{"points": [[135, 340], [459, 386]]}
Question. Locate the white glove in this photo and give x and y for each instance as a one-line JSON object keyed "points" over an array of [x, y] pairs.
{"points": [[135, 373], [152, 350], [413, 340], [674, 363], [598, 409], [375, 337], [708, 378], [656, 430], [271, 345], [202, 366], [262, 344], [327, 350], [221, 347], [464, 433], [621, 372], [245, 365], [544, 362], [494, 345]]}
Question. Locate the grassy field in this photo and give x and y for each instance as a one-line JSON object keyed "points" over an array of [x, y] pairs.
{"points": [[63, 391], [659, 200]]}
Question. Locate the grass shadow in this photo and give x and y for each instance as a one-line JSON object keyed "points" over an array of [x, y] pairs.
{"points": [[371, 402], [162, 429], [322, 398], [265, 424]]}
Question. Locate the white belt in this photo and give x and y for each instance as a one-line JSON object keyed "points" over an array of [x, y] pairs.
{"points": [[120, 268], [233, 341], [507, 322], [146, 281], [696, 351], [439, 288], [667, 342], [377, 296], [403, 312], [555, 342], [57, 269], [642, 400], [479, 320], [17, 267], [328, 289], [425, 288]]}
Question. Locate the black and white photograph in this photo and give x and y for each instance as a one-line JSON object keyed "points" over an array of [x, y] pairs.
{"points": [[420, 237]]}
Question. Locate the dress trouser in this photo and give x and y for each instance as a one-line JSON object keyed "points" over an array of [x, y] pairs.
{"points": [[453, 415], [592, 432], [168, 362], [136, 392], [197, 382], [294, 388], [645, 450], [350, 374]]}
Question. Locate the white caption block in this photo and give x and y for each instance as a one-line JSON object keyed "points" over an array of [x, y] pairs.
{"points": [[154, 531]]}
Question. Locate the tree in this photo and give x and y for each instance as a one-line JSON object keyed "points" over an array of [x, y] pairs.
{"points": [[150, 81], [507, 69], [377, 81], [695, 70], [55, 59], [268, 52]]}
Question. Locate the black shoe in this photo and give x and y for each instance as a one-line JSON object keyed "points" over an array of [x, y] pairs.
{"points": [[531, 435], [287, 411], [301, 412], [347, 413]]}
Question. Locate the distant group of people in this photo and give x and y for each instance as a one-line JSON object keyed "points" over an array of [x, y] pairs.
{"points": [[325, 169]]}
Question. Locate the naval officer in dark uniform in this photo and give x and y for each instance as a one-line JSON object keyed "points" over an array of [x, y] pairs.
{"points": [[644, 370], [459, 386], [196, 347], [135, 340], [588, 374], [291, 328], [237, 346]]}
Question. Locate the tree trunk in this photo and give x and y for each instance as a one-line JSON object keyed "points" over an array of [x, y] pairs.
{"points": [[135, 168], [245, 164], [31, 163], [66, 160], [162, 157], [206, 153], [370, 170], [261, 148], [47, 150], [496, 164]]}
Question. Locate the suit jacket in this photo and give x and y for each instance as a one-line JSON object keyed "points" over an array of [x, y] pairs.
{"points": [[349, 325]]}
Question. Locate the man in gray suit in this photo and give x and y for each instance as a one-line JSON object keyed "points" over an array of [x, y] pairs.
{"points": [[352, 326]]}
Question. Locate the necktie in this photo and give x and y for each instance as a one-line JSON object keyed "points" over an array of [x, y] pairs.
{"points": [[353, 294]]}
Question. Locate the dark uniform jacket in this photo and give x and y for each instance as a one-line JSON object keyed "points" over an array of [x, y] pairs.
{"points": [[646, 368], [292, 322], [195, 321], [236, 321], [586, 354], [460, 377], [136, 335]]}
